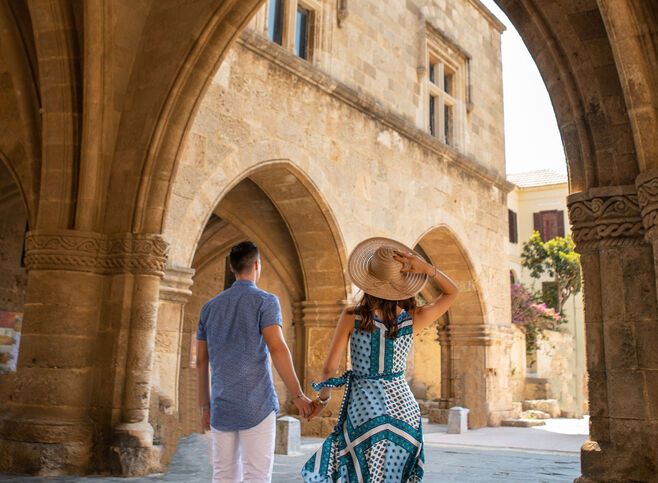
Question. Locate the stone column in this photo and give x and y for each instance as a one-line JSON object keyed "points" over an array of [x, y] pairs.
{"points": [[447, 399], [319, 320], [58, 410], [478, 351], [144, 256], [170, 341], [621, 330], [46, 427]]}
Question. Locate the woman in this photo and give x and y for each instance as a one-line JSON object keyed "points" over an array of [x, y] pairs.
{"points": [[378, 436]]}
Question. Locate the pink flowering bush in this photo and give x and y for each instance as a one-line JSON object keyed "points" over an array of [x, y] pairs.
{"points": [[532, 315]]}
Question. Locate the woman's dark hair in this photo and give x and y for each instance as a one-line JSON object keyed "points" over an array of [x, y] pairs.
{"points": [[388, 308], [242, 256]]}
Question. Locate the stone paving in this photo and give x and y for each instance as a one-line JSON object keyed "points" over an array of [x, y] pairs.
{"points": [[444, 462]]}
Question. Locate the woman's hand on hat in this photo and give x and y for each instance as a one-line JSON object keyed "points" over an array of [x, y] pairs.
{"points": [[411, 263]]}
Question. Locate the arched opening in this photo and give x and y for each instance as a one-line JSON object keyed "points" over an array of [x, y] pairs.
{"points": [[462, 354], [13, 224], [303, 263]]}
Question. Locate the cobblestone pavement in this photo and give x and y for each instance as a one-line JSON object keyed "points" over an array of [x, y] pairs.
{"points": [[443, 464]]}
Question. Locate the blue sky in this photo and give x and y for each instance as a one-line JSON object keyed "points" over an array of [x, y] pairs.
{"points": [[532, 139]]}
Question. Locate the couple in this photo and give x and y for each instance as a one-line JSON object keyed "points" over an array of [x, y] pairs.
{"points": [[378, 436]]}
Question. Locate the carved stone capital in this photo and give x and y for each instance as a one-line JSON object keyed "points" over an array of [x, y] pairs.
{"points": [[176, 283], [647, 195], [321, 312], [476, 334], [95, 252], [604, 217]]}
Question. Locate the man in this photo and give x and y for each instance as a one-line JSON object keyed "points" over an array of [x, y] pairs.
{"points": [[237, 329]]}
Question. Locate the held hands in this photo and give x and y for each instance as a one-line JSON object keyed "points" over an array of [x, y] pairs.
{"points": [[412, 263], [304, 405]]}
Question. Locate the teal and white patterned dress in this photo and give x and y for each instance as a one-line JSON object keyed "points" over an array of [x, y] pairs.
{"points": [[379, 435]]}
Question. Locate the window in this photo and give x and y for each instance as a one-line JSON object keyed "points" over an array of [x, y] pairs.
{"points": [[275, 21], [549, 224], [290, 23], [301, 32], [446, 88], [513, 227]]}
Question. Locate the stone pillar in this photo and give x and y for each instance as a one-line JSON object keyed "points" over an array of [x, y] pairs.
{"points": [[46, 428], [621, 330], [170, 341], [319, 319], [447, 392], [132, 452], [56, 415], [478, 354]]}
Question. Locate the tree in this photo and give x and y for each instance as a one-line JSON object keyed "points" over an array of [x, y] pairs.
{"points": [[531, 315], [556, 258]]}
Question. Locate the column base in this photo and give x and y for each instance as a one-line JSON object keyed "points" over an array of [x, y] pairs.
{"points": [[44, 447], [610, 464], [133, 452]]}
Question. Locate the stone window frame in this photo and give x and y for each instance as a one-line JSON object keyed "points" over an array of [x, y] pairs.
{"points": [[439, 50], [314, 7]]}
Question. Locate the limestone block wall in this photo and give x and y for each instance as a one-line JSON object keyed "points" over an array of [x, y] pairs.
{"points": [[390, 61], [555, 354], [517, 364], [371, 176], [424, 366]]}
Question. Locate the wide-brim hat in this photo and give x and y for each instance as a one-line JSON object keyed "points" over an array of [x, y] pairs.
{"points": [[372, 268]]}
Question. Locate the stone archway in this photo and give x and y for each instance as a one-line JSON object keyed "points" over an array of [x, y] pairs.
{"points": [[472, 346], [275, 206]]}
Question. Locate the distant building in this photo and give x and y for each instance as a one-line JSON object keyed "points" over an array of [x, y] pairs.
{"points": [[538, 202]]}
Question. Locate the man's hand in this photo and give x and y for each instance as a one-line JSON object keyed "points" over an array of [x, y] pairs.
{"points": [[304, 404], [205, 419]]}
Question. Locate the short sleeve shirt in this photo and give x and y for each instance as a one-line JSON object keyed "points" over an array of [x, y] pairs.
{"points": [[242, 391]]}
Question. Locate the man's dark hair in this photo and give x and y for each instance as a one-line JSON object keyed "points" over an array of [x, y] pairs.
{"points": [[242, 256]]}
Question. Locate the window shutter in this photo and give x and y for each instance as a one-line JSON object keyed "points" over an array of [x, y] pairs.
{"points": [[536, 219], [560, 223]]}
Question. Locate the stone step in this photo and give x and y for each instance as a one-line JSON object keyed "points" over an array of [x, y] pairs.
{"points": [[550, 406], [534, 414], [522, 423]]}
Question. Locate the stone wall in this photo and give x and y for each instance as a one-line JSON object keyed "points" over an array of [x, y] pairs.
{"points": [[272, 118]]}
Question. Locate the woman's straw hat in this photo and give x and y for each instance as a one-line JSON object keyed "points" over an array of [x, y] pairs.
{"points": [[373, 269]]}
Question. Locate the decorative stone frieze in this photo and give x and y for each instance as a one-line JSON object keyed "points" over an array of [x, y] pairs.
{"points": [[606, 217], [647, 195], [96, 252]]}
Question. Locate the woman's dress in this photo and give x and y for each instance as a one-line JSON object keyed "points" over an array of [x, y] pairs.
{"points": [[378, 437]]}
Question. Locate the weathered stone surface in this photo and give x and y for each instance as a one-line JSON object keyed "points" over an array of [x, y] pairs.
{"points": [[522, 423], [534, 414], [457, 420], [549, 406], [288, 436]]}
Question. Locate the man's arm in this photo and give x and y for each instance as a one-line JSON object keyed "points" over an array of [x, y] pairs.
{"points": [[282, 361], [203, 394]]}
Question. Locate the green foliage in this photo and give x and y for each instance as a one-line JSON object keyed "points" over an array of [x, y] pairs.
{"points": [[532, 315], [557, 259]]}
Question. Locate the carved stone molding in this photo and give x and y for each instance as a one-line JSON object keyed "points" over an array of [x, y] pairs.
{"points": [[606, 217], [96, 252], [176, 283], [647, 195], [475, 334], [321, 313]]}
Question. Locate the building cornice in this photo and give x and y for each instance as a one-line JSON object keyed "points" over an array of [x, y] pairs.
{"points": [[368, 105]]}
